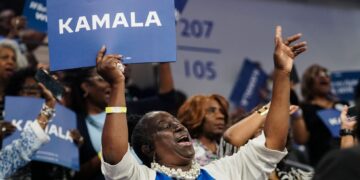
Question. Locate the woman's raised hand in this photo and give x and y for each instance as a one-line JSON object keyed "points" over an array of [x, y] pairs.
{"points": [[110, 67], [285, 52]]}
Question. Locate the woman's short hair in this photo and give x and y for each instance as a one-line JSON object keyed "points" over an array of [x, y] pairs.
{"points": [[142, 135], [192, 113], [21, 61], [308, 80]]}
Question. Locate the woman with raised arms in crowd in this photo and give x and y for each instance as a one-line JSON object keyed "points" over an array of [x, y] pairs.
{"points": [[164, 144], [19, 152]]}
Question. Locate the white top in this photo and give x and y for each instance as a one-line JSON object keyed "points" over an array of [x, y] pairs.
{"points": [[252, 161], [18, 153]]}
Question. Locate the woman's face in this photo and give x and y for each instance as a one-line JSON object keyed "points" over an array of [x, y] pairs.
{"points": [[322, 83], [214, 123], [30, 88], [97, 90], [172, 140], [7, 63]]}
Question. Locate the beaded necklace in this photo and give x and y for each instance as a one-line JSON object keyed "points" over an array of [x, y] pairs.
{"points": [[191, 174]]}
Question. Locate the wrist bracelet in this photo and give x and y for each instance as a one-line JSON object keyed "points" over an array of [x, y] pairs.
{"points": [[48, 112], [263, 111], [42, 122], [109, 110], [100, 155], [346, 132]]}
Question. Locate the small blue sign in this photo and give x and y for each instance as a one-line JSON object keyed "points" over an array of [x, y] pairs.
{"points": [[35, 12], [61, 150], [141, 30], [180, 5], [331, 119], [250, 81], [343, 84]]}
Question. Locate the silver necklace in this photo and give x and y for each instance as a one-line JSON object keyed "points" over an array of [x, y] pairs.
{"points": [[191, 174]]}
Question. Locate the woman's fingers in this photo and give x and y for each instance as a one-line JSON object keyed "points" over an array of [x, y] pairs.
{"points": [[100, 54], [293, 38]]}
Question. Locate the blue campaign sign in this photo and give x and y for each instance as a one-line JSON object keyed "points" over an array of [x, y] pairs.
{"points": [[246, 91], [60, 150], [180, 5], [179, 8], [35, 12], [330, 117], [141, 30], [343, 84]]}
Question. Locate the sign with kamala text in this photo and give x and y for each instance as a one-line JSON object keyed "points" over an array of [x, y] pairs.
{"points": [[61, 150], [140, 30]]}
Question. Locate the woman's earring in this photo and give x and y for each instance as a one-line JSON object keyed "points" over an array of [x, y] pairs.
{"points": [[153, 161]]}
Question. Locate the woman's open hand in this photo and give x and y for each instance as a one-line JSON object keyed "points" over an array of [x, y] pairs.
{"points": [[285, 52]]}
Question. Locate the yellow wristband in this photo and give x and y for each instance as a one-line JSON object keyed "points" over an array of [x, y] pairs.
{"points": [[115, 110], [100, 155]]}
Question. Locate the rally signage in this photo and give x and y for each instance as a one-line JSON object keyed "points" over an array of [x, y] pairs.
{"points": [[35, 12], [251, 80], [179, 7], [331, 119], [61, 150], [140, 30], [343, 84]]}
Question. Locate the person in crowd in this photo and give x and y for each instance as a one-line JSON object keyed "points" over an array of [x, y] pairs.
{"points": [[23, 83], [316, 91], [14, 27], [248, 127], [343, 164], [10, 60], [161, 140], [91, 95], [6, 16], [206, 118], [251, 126], [31, 40], [19, 152]]}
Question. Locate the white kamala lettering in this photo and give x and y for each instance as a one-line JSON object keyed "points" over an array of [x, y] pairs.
{"points": [[51, 129], [106, 21]]}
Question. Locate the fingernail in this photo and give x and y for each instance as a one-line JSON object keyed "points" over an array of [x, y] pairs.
{"points": [[121, 56], [103, 47]]}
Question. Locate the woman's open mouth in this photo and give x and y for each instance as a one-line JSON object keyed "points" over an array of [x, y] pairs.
{"points": [[184, 141]]}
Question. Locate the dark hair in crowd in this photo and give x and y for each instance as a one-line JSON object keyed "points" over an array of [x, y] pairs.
{"points": [[17, 81], [308, 80], [74, 78]]}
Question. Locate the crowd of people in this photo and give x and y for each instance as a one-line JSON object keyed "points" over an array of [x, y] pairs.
{"points": [[123, 134]]}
